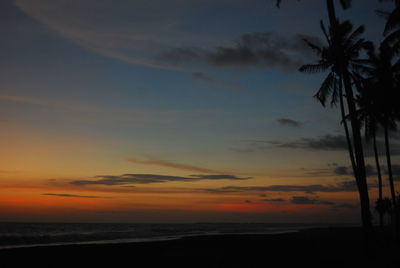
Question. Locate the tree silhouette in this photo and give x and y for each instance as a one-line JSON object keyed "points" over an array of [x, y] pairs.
{"points": [[383, 80], [384, 206], [341, 56], [392, 27], [332, 86], [383, 83], [369, 115]]}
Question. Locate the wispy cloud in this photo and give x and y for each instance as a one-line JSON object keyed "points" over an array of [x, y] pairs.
{"points": [[260, 49], [345, 186], [72, 195], [326, 142], [126, 179], [153, 35], [129, 31], [153, 161], [369, 169], [274, 200], [168, 164], [304, 200], [290, 122]]}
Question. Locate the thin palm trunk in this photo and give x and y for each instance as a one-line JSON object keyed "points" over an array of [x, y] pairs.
{"points": [[378, 170], [391, 183], [359, 157], [346, 129], [359, 164], [389, 165], [331, 12]]}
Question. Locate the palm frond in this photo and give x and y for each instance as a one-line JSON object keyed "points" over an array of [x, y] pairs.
{"points": [[345, 3], [361, 69], [335, 91], [392, 38], [345, 29], [396, 67], [328, 39], [360, 45], [355, 35], [393, 21], [314, 47], [314, 68], [396, 46], [326, 88], [382, 13]]}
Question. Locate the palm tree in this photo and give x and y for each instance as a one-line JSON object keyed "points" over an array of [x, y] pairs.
{"points": [[384, 206], [342, 51], [340, 56], [382, 80], [392, 27], [369, 114], [333, 86], [381, 85]]}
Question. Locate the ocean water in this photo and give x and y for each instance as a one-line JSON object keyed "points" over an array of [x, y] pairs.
{"points": [[19, 234]]}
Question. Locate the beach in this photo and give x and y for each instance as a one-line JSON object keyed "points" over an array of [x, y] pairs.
{"points": [[322, 247]]}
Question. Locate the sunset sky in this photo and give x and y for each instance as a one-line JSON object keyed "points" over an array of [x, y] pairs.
{"points": [[171, 111]]}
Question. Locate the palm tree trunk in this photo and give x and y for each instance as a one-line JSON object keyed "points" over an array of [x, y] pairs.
{"points": [[389, 165], [391, 183], [346, 128], [378, 170], [359, 157], [358, 149], [331, 12]]}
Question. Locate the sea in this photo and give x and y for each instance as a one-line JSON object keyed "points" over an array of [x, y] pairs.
{"points": [[34, 234]]}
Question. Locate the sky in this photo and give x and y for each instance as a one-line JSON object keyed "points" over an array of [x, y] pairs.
{"points": [[172, 111]]}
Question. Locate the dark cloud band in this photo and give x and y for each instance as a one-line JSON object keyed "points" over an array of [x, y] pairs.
{"points": [[151, 178]]}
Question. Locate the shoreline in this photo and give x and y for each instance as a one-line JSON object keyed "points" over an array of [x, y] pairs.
{"points": [[138, 240], [318, 247]]}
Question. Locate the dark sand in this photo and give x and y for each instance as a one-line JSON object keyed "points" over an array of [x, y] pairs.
{"points": [[336, 247]]}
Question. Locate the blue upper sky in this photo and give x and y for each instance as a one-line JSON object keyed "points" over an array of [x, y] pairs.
{"points": [[167, 80]]}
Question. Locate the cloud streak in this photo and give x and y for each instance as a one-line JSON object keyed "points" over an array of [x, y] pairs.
{"points": [[260, 50], [303, 200], [326, 142], [345, 186], [290, 122], [154, 36], [126, 179], [71, 195], [129, 31], [174, 165]]}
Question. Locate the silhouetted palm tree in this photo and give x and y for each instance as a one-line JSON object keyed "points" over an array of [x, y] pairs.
{"points": [[369, 115], [384, 206], [392, 27], [383, 84], [331, 87], [341, 56]]}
